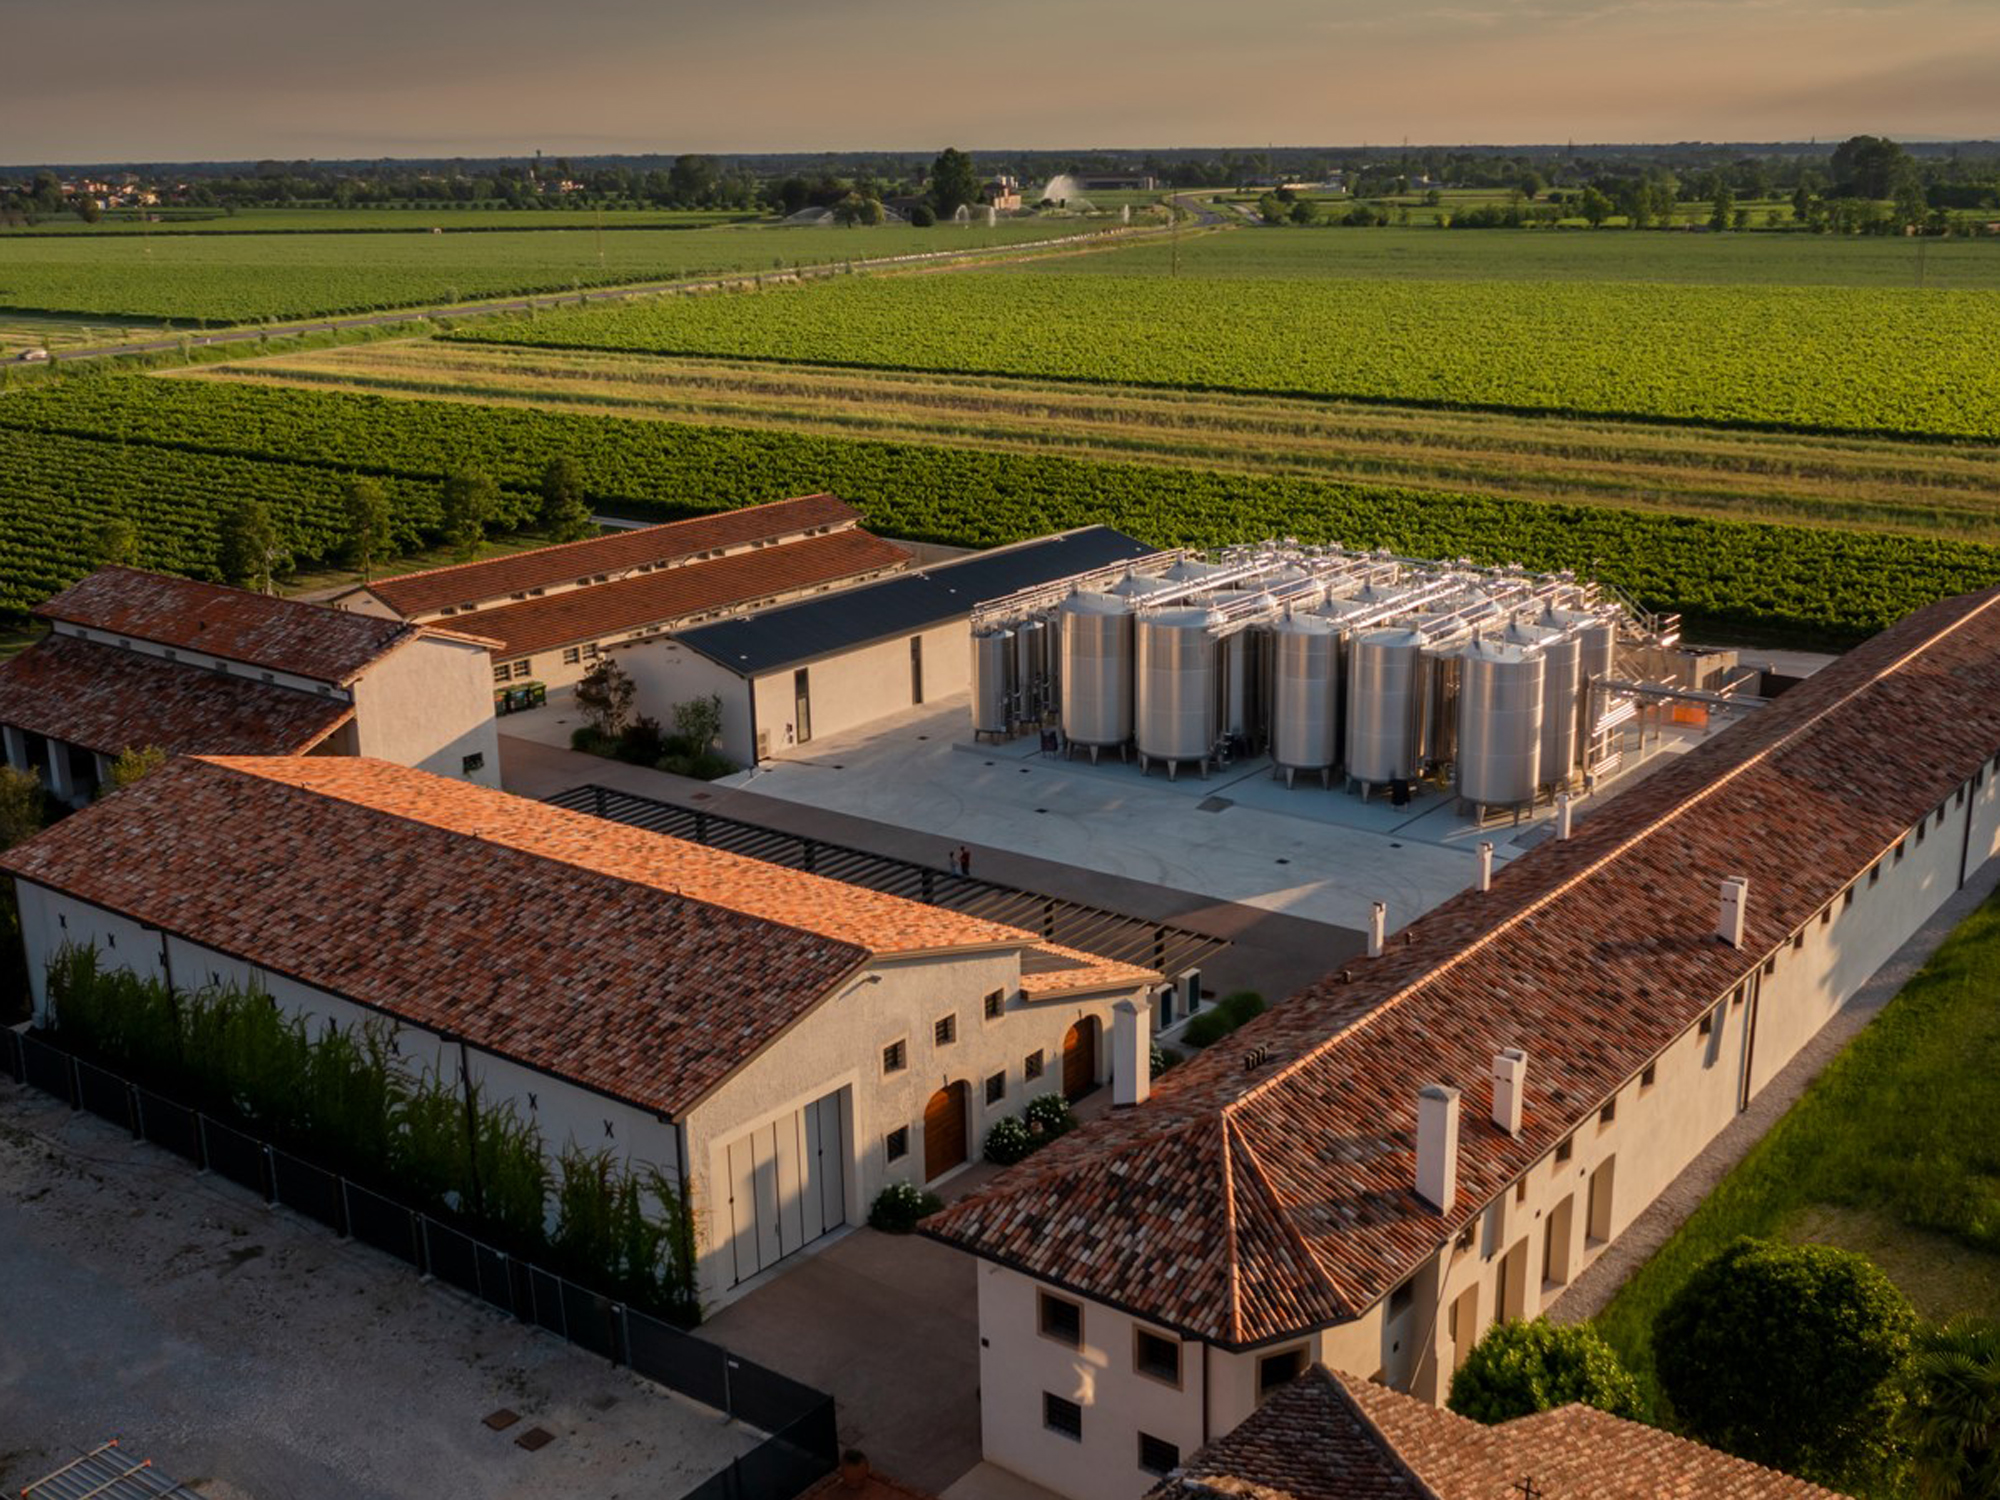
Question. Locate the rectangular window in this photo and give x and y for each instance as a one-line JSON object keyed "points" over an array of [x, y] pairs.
{"points": [[1707, 1024], [1847, 898], [1650, 1076], [470, 763], [895, 1056], [1798, 939], [572, 655], [1062, 1416], [1402, 1299], [996, 1088], [1874, 873], [1156, 1356], [1275, 1371], [1564, 1150], [1061, 1320], [896, 1145], [1609, 1113], [1899, 851], [501, 673], [1771, 964], [945, 1032], [916, 669], [996, 1003], [1032, 1066], [1157, 1455]]}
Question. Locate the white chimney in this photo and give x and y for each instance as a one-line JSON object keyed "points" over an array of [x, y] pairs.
{"points": [[1735, 908], [1562, 815], [1131, 1053], [1486, 864], [1437, 1146], [1510, 1085], [1378, 929]]}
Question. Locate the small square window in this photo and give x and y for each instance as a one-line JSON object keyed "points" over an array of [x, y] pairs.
{"points": [[1565, 1150], [1275, 1371], [572, 655], [1799, 939], [471, 763], [1609, 1113], [1157, 1356], [1031, 1067], [1847, 898], [1521, 1191], [896, 1145], [996, 1003], [1157, 1455], [1825, 915], [996, 1088], [1771, 964], [1402, 1299], [895, 1056], [1874, 873], [945, 1032], [1707, 1024], [1062, 1416], [1650, 1076], [1061, 1320]]}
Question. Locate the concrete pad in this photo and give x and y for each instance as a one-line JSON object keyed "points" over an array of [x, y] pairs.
{"points": [[991, 1482]]}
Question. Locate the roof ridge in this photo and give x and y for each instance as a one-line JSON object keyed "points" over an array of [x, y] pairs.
{"points": [[1682, 807], [1284, 1219], [1373, 1431], [1229, 1250]]}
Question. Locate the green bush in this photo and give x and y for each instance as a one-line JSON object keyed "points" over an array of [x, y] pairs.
{"points": [[899, 1206], [1008, 1142], [1049, 1116], [590, 740], [1164, 1058], [1952, 1422], [1210, 1026], [1791, 1356], [1521, 1368]]}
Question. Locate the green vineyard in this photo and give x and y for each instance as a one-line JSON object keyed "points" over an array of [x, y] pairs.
{"points": [[171, 454], [1841, 358]]}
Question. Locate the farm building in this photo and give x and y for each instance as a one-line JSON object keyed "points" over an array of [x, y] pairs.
{"points": [[552, 611], [1445, 1135], [1329, 1436], [779, 1044], [137, 660], [825, 665]]}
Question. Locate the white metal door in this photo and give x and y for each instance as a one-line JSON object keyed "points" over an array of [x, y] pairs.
{"points": [[787, 1185]]}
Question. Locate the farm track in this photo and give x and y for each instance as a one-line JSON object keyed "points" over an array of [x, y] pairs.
{"points": [[1947, 489]]}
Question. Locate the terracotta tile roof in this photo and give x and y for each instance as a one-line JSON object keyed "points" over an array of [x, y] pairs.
{"points": [[278, 635], [496, 578], [110, 700], [1332, 1437], [1244, 1205], [671, 594], [1049, 970], [638, 964]]}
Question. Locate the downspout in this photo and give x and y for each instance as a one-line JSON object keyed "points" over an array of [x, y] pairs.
{"points": [[1965, 838], [1750, 1040], [687, 1213]]}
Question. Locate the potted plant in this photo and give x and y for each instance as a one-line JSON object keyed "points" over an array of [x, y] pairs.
{"points": [[854, 1469]]}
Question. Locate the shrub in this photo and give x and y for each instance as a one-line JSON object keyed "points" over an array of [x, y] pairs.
{"points": [[1210, 1026], [590, 740], [642, 742], [1008, 1142], [1165, 1058], [1050, 1115], [1789, 1355], [922, 216], [1953, 1416], [1521, 1368], [899, 1206]]}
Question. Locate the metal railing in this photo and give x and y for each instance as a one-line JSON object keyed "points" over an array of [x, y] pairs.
{"points": [[800, 1445]]}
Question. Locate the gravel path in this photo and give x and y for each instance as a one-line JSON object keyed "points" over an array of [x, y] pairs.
{"points": [[1592, 1291], [254, 1356]]}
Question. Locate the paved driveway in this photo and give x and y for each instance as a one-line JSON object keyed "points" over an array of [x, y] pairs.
{"points": [[889, 1324]]}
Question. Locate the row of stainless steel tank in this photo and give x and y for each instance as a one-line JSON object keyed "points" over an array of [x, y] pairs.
{"points": [[1329, 660]]}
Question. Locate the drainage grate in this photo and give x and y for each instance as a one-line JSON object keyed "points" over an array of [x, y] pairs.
{"points": [[501, 1420], [1213, 804], [535, 1438]]}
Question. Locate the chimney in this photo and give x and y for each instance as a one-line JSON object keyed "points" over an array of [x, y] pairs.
{"points": [[1378, 929], [1735, 907], [1562, 815], [1510, 1086], [1131, 1053], [1486, 864], [1437, 1146]]}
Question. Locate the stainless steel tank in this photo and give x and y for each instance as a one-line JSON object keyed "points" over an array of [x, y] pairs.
{"points": [[1384, 705], [1175, 687], [1562, 698], [1499, 723], [1305, 709], [1598, 634], [1096, 669], [1032, 659], [992, 682]]}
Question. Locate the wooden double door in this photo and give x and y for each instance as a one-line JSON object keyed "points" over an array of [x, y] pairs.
{"points": [[1079, 1060], [945, 1144]]}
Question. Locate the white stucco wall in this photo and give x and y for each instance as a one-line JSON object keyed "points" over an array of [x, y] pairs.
{"points": [[429, 704], [868, 683], [664, 673]]}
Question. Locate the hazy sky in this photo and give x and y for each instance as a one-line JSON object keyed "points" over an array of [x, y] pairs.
{"points": [[161, 79]]}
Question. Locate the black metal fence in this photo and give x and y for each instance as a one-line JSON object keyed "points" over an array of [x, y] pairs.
{"points": [[801, 1445]]}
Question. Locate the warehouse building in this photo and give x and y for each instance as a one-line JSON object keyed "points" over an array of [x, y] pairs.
{"points": [[1445, 1135], [826, 665], [551, 612], [779, 1044], [136, 660]]}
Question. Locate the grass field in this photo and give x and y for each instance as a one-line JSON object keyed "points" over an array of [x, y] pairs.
{"points": [[1890, 1152], [1951, 490], [1845, 359], [225, 279], [170, 222]]}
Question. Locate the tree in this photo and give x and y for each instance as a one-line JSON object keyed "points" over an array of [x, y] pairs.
{"points": [[252, 556], [134, 763], [855, 209], [954, 182], [1789, 1355], [1521, 1368], [564, 515], [1530, 184], [1273, 209], [1722, 208], [117, 543], [88, 211], [467, 504], [1869, 166], [605, 696], [23, 806], [922, 216], [1304, 212], [1594, 207], [365, 514], [1952, 1421], [699, 721]]}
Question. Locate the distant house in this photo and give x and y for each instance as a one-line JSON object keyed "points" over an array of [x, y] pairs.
{"points": [[1001, 193], [553, 611], [137, 660]]}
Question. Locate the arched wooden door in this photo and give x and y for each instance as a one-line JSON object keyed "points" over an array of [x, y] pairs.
{"points": [[1079, 1059], [944, 1131]]}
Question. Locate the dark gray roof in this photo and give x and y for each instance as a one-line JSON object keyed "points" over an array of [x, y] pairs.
{"points": [[804, 632]]}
